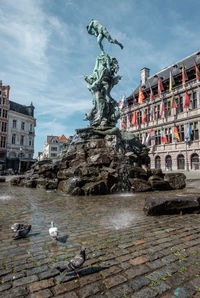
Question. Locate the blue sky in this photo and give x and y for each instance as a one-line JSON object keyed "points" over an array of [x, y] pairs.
{"points": [[46, 51]]}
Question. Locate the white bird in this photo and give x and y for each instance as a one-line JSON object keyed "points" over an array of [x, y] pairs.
{"points": [[53, 231]]}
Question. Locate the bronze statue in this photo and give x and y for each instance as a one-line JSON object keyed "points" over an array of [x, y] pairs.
{"points": [[95, 28]]}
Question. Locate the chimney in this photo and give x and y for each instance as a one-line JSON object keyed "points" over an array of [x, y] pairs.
{"points": [[144, 75]]}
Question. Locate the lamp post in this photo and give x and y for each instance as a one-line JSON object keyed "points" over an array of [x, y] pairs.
{"points": [[20, 159]]}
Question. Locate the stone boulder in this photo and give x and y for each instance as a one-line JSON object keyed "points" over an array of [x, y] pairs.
{"points": [[171, 204], [175, 180], [139, 185], [95, 188], [158, 183]]}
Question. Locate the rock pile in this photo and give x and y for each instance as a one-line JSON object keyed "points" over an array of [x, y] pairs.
{"points": [[96, 164]]}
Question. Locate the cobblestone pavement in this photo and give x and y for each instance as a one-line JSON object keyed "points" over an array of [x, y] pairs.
{"points": [[128, 253]]}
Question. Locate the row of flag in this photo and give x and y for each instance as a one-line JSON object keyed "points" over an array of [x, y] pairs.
{"points": [[141, 96], [151, 135], [173, 105]]}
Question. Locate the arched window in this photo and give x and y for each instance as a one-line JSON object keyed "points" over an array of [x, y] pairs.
{"points": [[181, 162], [195, 161], [168, 162], [157, 162]]}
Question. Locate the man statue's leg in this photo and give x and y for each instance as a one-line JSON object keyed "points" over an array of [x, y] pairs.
{"points": [[99, 41]]}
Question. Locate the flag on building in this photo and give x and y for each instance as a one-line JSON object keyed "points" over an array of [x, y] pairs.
{"points": [[148, 137], [144, 116], [163, 136], [151, 92], [160, 87], [152, 113], [173, 103], [171, 82], [143, 140], [197, 71], [184, 75], [121, 103], [141, 96], [134, 119], [187, 100], [123, 126], [188, 133], [176, 135], [162, 110]]}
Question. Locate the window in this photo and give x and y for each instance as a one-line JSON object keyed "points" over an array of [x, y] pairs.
{"points": [[2, 142], [157, 162], [14, 123], [30, 141], [22, 140], [53, 148], [181, 162], [4, 127], [4, 101], [29, 156], [53, 154], [193, 100], [167, 108], [195, 131], [13, 138], [157, 112], [195, 161], [181, 132], [157, 137], [0, 112], [179, 102], [168, 133], [22, 125], [139, 117], [5, 114], [168, 162], [31, 127]]}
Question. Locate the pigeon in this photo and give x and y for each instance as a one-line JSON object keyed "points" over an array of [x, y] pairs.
{"points": [[21, 230], [53, 231], [75, 263], [16, 226]]}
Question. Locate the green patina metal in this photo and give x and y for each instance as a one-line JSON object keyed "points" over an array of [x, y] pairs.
{"points": [[102, 80]]}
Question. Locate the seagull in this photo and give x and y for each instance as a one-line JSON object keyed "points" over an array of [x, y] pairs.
{"points": [[21, 230], [75, 263], [53, 231]]}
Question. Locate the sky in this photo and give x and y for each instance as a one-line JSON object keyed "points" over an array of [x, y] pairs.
{"points": [[45, 51]]}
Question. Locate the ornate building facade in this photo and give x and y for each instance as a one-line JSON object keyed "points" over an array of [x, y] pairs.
{"points": [[53, 147], [21, 134], [166, 116]]}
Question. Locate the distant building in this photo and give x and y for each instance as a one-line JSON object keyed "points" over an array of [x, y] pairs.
{"points": [[4, 107], [21, 134], [53, 147], [155, 117]]}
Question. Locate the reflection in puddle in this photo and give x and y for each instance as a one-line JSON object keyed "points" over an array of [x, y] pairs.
{"points": [[5, 197], [128, 194], [119, 221]]}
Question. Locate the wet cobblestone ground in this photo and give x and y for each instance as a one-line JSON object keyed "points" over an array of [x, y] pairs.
{"points": [[128, 253]]}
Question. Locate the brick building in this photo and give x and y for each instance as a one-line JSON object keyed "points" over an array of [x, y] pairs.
{"points": [[158, 117], [4, 107]]}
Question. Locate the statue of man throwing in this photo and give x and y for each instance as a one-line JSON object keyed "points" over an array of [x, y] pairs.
{"points": [[95, 28]]}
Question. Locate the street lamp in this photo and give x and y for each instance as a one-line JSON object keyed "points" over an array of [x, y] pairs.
{"points": [[20, 159]]}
